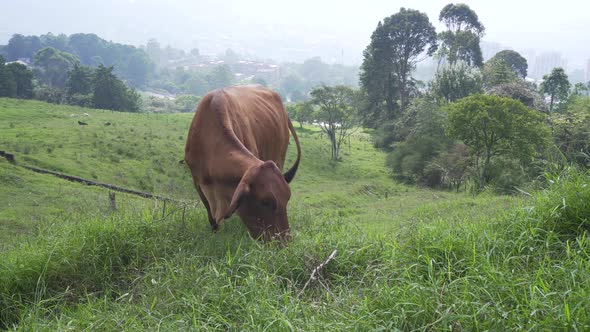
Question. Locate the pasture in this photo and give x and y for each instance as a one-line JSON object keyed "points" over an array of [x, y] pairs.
{"points": [[406, 258]]}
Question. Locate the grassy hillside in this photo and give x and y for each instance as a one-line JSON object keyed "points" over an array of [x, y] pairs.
{"points": [[406, 258]]}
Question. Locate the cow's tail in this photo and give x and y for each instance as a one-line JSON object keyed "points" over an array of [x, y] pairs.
{"points": [[290, 174]]}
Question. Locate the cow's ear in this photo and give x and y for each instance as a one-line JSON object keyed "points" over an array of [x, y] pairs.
{"points": [[242, 190]]}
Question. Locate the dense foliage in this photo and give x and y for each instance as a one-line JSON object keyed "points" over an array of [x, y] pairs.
{"points": [[16, 80], [557, 86], [460, 42], [495, 127], [130, 63], [389, 60]]}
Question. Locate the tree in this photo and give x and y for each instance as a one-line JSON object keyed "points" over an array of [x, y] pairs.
{"points": [[461, 40], [556, 85], [20, 46], [300, 112], [219, 77], [455, 82], [336, 114], [111, 93], [154, 51], [289, 86], [52, 66], [195, 84], [7, 82], [79, 80], [493, 126], [395, 48], [580, 89], [496, 71], [23, 79], [521, 91], [572, 130], [421, 139], [88, 45], [514, 60], [186, 103], [79, 86]]}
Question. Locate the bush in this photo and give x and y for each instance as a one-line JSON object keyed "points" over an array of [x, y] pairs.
{"points": [[50, 95], [80, 100], [564, 207]]}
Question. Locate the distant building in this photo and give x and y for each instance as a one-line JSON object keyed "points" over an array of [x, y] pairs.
{"points": [[545, 62]]}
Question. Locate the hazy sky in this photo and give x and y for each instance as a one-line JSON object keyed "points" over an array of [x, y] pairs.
{"points": [[337, 30]]}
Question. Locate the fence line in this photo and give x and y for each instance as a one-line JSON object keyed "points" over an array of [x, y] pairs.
{"points": [[72, 178]]}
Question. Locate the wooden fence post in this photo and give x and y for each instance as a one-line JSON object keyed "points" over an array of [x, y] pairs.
{"points": [[113, 201]]}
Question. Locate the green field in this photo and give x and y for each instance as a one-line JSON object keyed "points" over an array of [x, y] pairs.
{"points": [[407, 258]]}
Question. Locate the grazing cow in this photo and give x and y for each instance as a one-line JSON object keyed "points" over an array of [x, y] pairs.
{"points": [[82, 123], [236, 149]]}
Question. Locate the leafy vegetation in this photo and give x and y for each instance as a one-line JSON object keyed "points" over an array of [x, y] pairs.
{"points": [[406, 258], [130, 63], [556, 85], [395, 48], [369, 253], [335, 115], [495, 126]]}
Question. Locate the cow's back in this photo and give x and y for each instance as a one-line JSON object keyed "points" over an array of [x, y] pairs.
{"points": [[260, 122], [233, 123]]}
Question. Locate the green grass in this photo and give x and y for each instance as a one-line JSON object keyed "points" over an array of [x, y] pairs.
{"points": [[407, 258]]}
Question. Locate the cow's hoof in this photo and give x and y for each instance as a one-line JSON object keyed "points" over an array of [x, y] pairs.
{"points": [[214, 228]]}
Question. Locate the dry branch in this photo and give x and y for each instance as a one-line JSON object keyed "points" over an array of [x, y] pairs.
{"points": [[316, 270]]}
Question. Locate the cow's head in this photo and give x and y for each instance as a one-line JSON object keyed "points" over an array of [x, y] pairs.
{"points": [[261, 201]]}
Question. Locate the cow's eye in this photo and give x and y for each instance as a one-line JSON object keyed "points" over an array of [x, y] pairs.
{"points": [[269, 204]]}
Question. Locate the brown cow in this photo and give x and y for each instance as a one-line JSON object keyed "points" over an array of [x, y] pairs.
{"points": [[236, 149]]}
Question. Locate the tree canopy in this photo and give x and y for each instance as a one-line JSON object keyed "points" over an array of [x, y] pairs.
{"points": [[52, 66], [130, 63], [111, 93], [496, 71], [335, 113], [461, 40], [494, 126], [455, 82], [557, 86], [514, 60], [396, 46]]}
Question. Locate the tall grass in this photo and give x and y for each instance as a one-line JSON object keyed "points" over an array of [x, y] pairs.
{"points": [[527, 269]]}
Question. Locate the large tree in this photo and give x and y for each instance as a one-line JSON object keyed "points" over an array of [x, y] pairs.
{"points": [[496, 71], [494, 126], [52, 66], [111, 93], [20, 46], [580, 89], [336, 114], [514, 60], [79, 80], [555, 85], [220, 76], [397, 44], [455, 82], [23, 79], [7, 83], [460, 42]]}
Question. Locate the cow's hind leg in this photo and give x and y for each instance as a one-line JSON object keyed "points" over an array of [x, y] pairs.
{"points": [[214, 226]]}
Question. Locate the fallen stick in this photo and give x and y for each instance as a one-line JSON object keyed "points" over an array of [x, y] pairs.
{"points": [[316, 270]]}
